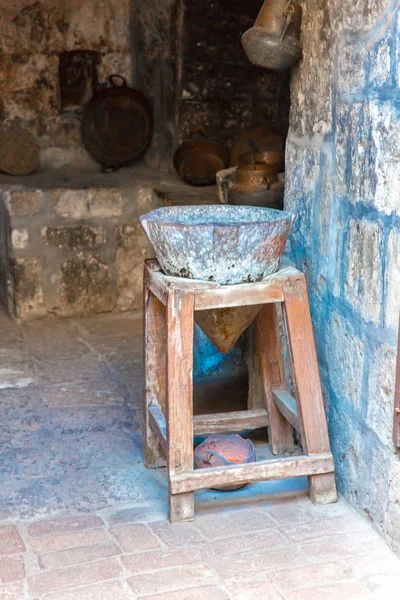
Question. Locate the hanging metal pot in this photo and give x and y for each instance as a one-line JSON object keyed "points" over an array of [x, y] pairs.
{"points": [[273, 42]]}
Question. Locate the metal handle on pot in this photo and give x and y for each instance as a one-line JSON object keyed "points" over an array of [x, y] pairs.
{"points": [[288, 12], [114, 78]]}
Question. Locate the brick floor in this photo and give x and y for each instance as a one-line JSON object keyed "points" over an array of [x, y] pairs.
{"points": [[81, 519]]}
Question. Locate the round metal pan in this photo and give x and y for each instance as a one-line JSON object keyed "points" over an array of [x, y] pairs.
{"points": [[117, 124]]}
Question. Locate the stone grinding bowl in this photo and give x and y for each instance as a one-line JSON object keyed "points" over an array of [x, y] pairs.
{"points": [[224, 449], [221, 243]]}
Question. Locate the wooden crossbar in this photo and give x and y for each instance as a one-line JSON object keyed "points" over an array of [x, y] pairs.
{"points": [[287, 407], [265, 470], [231, 421]]}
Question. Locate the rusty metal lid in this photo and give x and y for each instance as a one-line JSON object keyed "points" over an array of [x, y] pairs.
{"points": [[117, 124]]}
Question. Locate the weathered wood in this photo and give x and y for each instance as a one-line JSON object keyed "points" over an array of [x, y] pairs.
{"points": [[396, 424], [230, 422], [287, 407], [239, 295], [155, 281], [155, 371], [158, 425], [180, 326], [268, 348], [310, 405], [278, 468]]}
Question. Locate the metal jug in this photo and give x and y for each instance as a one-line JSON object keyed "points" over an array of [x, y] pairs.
{"points": [[273, 42]]}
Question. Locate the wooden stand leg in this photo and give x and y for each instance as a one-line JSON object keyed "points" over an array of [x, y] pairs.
{"points": [[268, 348], [155, 371], [180, 325], [310, 405]]}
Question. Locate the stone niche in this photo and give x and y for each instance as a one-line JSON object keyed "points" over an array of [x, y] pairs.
{"points": [[190, 62]]}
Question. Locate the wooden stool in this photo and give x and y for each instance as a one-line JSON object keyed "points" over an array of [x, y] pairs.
{"points": [[169, 305]]}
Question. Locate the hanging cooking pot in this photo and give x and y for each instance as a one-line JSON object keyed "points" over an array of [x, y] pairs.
{"points": [[198, 161], [273, 42], [117, 124]]}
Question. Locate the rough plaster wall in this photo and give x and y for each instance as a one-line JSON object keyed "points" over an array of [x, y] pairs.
{"points": [[343, 180], [32, 36]]}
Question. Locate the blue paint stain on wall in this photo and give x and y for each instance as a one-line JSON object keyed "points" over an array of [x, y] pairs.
{"points": [[360, 144]]}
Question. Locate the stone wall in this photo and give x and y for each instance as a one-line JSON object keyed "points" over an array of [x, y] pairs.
{"points": [[191, 63], [74, 251], [343, 180], [33, 35]]}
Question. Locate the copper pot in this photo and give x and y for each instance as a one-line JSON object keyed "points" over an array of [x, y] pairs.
{"points": [[257, 185], [198, 161], [273, 42]]}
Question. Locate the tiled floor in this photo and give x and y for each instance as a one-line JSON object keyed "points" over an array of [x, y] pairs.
{"points": [[81, 519]]}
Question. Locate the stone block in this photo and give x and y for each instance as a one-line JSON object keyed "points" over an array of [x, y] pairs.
{"points": [[77, 556], [86, 285], [380, 63], [78, 237], [172, 579], [176, 535], [12, 569], [392, 280], [133, 248], [60, 579], [381, 384], [99, 591], [23, 203], [363, 283], [149, 562], [64, 525], [393, 514], [12, 591], [345, 357], [135, 537], [19, 238], [28, 288], [210, 592], [99, 203], [10, 540], [56, 542]]}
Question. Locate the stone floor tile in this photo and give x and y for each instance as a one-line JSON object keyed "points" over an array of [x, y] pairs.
{"points": [[92, 394], [10, 540], [138, 514], [64, 525], [310, 575], [245, 543], [172, 579], [261, 589], [16, 375], [384, 587], [257, 562], [12, 591], [215, 526], [103, 326], [12, 569], [109, 590], [59, 348], [64, 541], [176, 535], [333, 548], [252, 520], [290, 515], [146, 562], [60, 579], [13, 353], [204, 593], [86, 368], [76, 556], [135, 538], [349, 590], [325, 527], [380, 562]]}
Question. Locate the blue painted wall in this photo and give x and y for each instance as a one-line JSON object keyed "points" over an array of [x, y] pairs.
{"points": [[343, 180]]}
